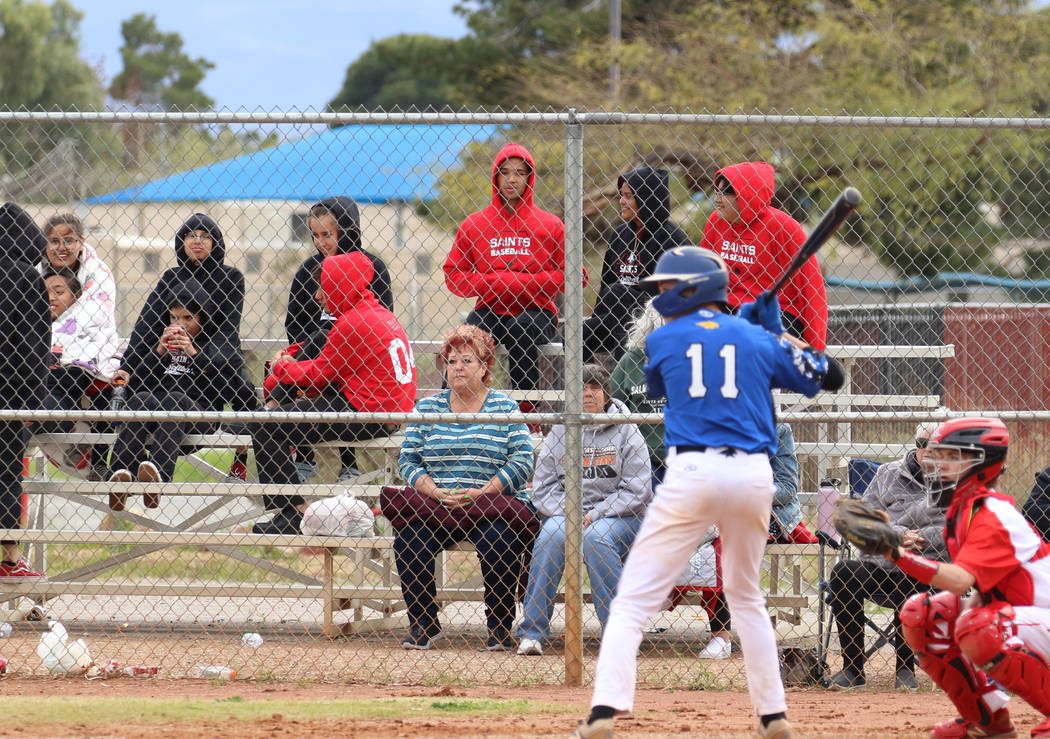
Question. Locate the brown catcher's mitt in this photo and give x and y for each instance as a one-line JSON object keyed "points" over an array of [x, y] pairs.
{"points": [[865, 527]]}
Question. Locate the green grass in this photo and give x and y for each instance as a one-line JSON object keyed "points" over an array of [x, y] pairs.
{"points": [[181, 563], [39, 710]]}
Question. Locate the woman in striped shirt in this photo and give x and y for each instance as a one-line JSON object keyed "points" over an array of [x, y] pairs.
{"points": [[474, 475]]}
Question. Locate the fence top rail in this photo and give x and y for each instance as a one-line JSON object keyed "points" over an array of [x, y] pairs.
{"points": [[928, 414], [567, 116], [839, 351]]}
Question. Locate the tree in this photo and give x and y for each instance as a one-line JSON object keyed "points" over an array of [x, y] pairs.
{"points": [[40, 68], [927, 192], [157, 73], [404, 71]]}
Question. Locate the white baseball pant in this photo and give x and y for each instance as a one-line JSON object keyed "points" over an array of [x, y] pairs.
{"points": [[699, 489]]}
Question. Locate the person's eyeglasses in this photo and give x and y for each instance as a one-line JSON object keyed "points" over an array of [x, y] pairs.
{"points": [[922, 443], [69, 241]]}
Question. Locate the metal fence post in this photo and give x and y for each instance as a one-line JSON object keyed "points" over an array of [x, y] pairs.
{"points": [[573, 342]]}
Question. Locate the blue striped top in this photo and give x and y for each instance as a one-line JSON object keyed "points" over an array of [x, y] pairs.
{"points": [[468, 455]]}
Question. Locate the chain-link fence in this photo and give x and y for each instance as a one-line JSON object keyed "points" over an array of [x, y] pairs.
{"points": [[281, 460]]}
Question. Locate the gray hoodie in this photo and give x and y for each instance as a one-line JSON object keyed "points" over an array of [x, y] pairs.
{"points": [[617, 476], [899, 489]]}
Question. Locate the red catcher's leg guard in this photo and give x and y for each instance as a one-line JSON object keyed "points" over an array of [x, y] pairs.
{"points": [[928, 623], [988, 637]]}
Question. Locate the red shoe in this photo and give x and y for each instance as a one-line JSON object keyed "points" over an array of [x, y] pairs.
{"points": [[801, 535], [959, 728], [237, 471], [1043, 729], [20, 571]]}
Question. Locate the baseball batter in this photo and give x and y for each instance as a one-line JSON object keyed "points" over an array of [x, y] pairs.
{"points": [[716, 371], [1001, 633]]}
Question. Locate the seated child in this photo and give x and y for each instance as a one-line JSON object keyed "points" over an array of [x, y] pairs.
{"points": [[365, 365], [186, 371], [67, 378]]}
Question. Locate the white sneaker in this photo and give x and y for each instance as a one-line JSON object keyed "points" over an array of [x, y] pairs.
{"points": [[717, 648], [531, 647]]}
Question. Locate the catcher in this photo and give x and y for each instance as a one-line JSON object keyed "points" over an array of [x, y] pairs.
{"points": [[1002, 631]]}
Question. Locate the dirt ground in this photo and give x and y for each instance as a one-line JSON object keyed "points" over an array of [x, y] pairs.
{"points": [[814, 713]]}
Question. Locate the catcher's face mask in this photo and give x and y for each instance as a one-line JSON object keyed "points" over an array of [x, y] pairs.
{"points": [[944, 466]]}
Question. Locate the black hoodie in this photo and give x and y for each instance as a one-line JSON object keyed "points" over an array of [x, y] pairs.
{"points": [[224, 286], [25, 316], [1037, 508], [205, 375], [631, 256], [305, 318]]}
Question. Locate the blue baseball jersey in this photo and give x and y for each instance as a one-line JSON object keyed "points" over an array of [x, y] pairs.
{"points": [[717, 372]]}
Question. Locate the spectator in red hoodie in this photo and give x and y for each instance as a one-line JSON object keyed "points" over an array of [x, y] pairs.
{"points": [[366, 365], [757, 241], [511, 257]]}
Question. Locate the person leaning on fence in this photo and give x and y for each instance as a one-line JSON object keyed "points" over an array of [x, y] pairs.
{"points": [[758, 241], [511, 257], [366, 365], [467, 482], [25, 334], [185, 372], [335, 227], [645, 206], [900, 489], [616, 489]]}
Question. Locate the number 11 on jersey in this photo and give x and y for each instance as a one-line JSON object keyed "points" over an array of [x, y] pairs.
{"points": [[697, 388]]}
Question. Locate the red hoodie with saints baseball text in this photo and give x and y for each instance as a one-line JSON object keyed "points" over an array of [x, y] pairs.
{"points": [[366, 354], [511, 260], [760, 245]]}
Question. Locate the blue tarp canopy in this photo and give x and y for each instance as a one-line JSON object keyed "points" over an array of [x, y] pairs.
{"points": [[370, 163]]}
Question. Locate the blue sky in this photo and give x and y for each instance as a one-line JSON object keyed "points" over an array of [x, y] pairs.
{"points": [[270, 54]]}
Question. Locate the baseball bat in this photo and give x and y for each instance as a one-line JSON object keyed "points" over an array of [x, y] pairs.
{"points": [[839, 211]]}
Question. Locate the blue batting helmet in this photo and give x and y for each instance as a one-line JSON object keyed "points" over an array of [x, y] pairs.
{"points": [[702, 278]]}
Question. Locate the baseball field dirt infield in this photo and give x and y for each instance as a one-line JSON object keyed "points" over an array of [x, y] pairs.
{"points": [[134, 707]]}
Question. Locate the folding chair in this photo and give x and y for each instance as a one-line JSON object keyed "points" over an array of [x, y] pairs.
{"points": [[859, 472]]}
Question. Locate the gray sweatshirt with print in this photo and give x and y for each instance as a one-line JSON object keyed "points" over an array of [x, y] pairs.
{"points": [[617, 475]]}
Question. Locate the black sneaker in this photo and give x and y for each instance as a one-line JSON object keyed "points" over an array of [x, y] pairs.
{"points": [[285, 522], [846, 679], [500, 640], [420, 639], [905, 680]]}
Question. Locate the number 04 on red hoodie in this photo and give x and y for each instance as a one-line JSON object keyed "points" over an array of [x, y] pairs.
{"points": [[366, 354]]}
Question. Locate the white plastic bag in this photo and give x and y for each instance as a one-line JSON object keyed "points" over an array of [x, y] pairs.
{"points": [[61, 656], [341, 515]]}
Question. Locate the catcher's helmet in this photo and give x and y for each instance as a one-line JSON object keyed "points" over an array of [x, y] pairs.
{"points": [[964, 452], [702, 278]]}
